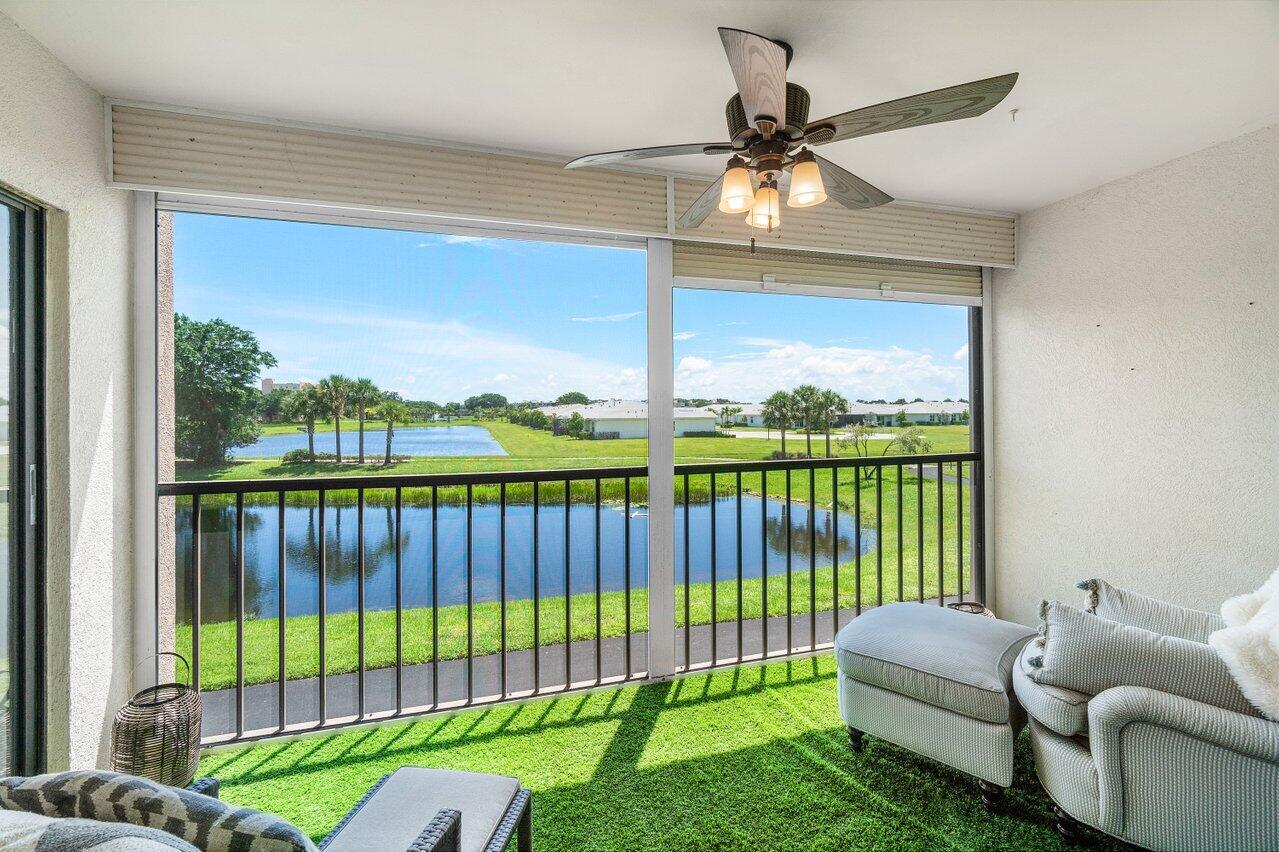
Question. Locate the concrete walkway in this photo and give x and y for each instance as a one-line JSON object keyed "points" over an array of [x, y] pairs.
{"points": [[261, 709]]}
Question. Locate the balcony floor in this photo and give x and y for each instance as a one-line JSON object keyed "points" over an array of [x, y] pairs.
{"points": [[753, 757]]}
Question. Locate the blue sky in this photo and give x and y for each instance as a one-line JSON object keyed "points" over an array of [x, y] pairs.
{"points": [[443, 317]]}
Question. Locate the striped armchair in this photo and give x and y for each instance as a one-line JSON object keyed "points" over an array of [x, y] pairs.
{"points": [[1139, 731]]}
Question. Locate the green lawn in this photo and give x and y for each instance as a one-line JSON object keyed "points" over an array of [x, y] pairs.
{"points": [[748, 758]]}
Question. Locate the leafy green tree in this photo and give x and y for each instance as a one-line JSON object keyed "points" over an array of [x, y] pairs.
{"points": [[901, 418], [572, 398], [576, 426], [336, 391], [305, 405], [451, 410], [726, 413], [808, 403], [392, 411], [271, 405], [779, 413], [484, 401], [364, 394], [830, 405], [216, 367], [423, 410], [909, 442]]}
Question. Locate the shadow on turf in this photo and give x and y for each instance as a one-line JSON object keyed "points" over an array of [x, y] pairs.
{"points": [[807, 791]]}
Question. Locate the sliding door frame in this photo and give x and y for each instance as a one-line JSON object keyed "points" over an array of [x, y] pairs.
{"points": [[26, 488]]}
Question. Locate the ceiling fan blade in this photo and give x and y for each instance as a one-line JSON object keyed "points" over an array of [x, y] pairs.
{"points": [[702, 207], [848, 189], [950, 104], [647, 153], [759, 67]]}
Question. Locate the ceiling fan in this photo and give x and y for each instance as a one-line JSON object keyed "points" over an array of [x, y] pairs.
{"points": [[770, 135]]}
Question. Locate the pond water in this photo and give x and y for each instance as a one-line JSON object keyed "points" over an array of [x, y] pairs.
{"points": [[407, 441], [763, 532]]}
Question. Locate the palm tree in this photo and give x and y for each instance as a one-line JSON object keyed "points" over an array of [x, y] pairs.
{"points": [[363, 394], [451, 410], [305, 405], [807, 399], [337, 393], [779, 413], [392, 411], [831, 404]]}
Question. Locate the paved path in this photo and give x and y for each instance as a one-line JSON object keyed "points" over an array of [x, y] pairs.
{"points": [[302, 697]]}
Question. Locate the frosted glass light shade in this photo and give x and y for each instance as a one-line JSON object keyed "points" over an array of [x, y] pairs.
{"points": [[737, 194], [806, 187], [766, 213]]}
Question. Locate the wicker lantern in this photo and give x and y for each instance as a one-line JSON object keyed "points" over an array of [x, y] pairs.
{"points": [[157, 734], [975, 607]]}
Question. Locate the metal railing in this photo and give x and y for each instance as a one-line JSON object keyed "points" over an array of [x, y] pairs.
{"points": [[483, 587]]}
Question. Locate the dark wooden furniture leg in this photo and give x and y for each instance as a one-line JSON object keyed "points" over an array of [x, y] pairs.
{"points": [[992, 795], [1067, 826], [856, 739]]}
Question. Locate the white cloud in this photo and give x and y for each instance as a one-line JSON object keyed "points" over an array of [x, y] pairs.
{"points": [[854, 372], [693, 364], [462, 239], [610, 317], [441, 359], [961, 353], [684, 335]]}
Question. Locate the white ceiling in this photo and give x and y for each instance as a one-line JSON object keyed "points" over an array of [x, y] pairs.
{"points": [[1106, 88]]}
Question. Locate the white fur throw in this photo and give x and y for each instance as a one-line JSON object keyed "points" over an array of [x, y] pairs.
{"points": [[1249, 645]]}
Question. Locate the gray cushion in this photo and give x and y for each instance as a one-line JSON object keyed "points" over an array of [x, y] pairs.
{"points": [[20, 831], [1062, 710], [402, 806], [203, 821], [955, 660], [1148, 613], [1089, 654]]}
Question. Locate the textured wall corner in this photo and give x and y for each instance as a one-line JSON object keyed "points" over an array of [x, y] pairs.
{"points": [[52, 149], [1135, 391]]}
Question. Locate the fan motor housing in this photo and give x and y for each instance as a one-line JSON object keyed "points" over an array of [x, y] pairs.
{"points": [[797, 102]]}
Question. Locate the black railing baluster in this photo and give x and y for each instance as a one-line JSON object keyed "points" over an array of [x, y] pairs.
{"points": [[941, 551], [834, 549], [790, 645], [959, 527], [857, 540], [281, 580], [812, 557], [568, 592], [435, 596], [501, 580], [739, 566], [688, 622], [470, 595], [323, 616], [599, 603], [714, 601], [763, 561], [901, 572], [197, 592], [399, 601], [879, 536], [359, 598], [537, 592], [239, 615], [626, 574], [919, 523]]}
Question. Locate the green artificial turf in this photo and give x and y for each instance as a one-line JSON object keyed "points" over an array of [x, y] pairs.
{"points": [[750, 758]]}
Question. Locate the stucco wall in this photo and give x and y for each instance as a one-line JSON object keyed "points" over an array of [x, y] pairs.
{"points": [[1136, 385], [51, 150]]}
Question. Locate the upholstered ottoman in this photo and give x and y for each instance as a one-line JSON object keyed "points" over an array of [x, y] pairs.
{"points": [[937, 682]]}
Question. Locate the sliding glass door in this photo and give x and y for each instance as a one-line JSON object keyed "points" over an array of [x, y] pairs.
{"points": [[21, 497]]}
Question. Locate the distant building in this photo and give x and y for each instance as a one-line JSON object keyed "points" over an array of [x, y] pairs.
{"points": [[269, 385], [621, 418], [875, 414], [751, 414]]}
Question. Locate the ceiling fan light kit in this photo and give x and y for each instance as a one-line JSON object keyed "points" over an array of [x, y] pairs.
{"points": [[771, 135], [738, 193]]}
